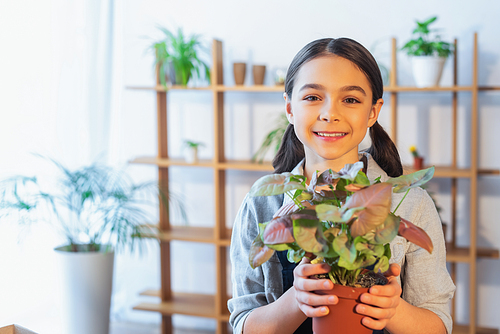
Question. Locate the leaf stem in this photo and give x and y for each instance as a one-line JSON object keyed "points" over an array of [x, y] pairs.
{"points": [[402, 199]]}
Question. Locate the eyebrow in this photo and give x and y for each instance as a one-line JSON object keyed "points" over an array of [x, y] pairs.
{"points": [[343, 89]]}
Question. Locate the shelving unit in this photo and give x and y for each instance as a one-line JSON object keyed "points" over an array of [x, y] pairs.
{"points": [[456, 254], [214, 306]]}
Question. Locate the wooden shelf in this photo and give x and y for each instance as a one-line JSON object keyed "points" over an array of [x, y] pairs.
{"points": [[462, 254], [227, 165], [464, 329], [393, 89], [218, 88], [194, 304], [191, 234]]}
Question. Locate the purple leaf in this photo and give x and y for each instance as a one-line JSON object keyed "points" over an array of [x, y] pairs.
{"points": [[415, 234], [377, 202], [259, 253], [279, 231]]}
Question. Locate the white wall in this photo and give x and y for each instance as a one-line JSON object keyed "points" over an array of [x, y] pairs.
{"points": [[268, 32]]}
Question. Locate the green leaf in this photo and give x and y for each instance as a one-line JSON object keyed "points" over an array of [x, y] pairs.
{"points": [[295, 255], [350, 171], [377, 202], [305, 232], [413, 180], [274, 184], [382, 265], [341, 246], [388, 230]]}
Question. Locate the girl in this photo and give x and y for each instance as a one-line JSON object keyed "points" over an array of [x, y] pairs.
{"points": [[333, 94]]}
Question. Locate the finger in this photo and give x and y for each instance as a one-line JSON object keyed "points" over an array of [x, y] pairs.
{"points": [[306, 284], [393, 271], [375, 312], [374, 323], [306, 270], [313, 299], [393, 289], [314, 312], [380, 301]]}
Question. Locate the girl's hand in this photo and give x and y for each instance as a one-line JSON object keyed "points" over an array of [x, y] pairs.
{"points": [[380, 303], [311, 304]]}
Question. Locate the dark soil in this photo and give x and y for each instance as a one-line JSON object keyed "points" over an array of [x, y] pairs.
{"points": [[366, 280]]}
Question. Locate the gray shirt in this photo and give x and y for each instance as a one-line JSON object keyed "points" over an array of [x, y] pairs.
{"points": [[424, 279]]}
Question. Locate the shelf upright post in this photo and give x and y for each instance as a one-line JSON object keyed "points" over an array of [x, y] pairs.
{"points": [[453, 265], [164, 225], [473, 197], [394, 95], [219, 186]]}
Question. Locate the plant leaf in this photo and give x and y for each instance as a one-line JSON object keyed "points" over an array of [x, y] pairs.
{"points": [[388, 230], [377, 202], [274, 184], [305, 232], [413, 180], [341, 246], [327, 212], [259, 253], [415, 234], [328, 177], [350, 171], [278, 231]]}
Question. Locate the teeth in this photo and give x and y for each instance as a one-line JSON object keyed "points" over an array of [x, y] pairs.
{"points": [[322, 134]]}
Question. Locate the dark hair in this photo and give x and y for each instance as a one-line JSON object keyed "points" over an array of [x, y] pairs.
{"points": [[383, 150]]}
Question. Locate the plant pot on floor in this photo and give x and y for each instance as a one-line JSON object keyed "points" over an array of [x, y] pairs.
{"points": [[86, 285], [342, 317], [427, 70]]}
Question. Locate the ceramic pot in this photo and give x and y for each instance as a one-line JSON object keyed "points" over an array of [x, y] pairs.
{"points": [[86, 286], [259, 72], [191, 155], [418, 163], [342, 317], [427, 70], [239, 71]]}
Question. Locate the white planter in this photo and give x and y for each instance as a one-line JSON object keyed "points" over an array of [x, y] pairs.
{"points": [[87, 279], [427, 70], [191, 155]]}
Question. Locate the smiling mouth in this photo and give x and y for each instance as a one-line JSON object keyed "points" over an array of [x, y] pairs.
{"points": [[330, 134]]}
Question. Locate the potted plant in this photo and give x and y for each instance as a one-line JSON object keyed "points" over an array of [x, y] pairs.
{"points": [[348, 226], [97, 210], [178, 58], [418, 160], [273, 139], [428, 54], [191, 151]]}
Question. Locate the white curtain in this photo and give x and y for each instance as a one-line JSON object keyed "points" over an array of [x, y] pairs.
{"points": [[59, 76]]}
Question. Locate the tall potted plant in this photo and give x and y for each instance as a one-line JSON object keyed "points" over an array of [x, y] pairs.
{"points": [[177, 57], [97, 210], [349, 227], [428, 54]]}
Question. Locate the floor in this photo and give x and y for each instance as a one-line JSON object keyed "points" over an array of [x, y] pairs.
{"points": [[134, 328]]}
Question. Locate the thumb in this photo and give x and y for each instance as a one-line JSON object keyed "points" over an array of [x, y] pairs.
{"points": [[394, 271]]}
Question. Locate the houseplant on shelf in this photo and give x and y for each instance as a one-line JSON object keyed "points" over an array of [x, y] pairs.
{"points": [[97, 210], [349, 227], [178, 58], [428, 54], [272, 139], [191, 151]]}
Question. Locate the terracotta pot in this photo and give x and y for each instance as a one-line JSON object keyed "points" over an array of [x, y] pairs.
{"points": [[259, 72], [418, 163], [239, 71], [342, 317]]}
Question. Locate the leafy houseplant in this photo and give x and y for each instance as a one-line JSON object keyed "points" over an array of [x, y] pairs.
{"points": [[273, 139], [348, 226], [178, 57], [92, 207], [192, 150], [431, 51], [418, 160]]}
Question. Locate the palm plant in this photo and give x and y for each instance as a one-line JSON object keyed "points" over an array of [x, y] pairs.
{"points": [[424, 45], [178, 57], [93, 206]]}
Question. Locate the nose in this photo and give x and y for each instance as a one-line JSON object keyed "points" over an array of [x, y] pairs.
{"points": [[329, 113]]}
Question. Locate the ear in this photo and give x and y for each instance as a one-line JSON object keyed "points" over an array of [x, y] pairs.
{"points": [[288, 108], [374, 112]]}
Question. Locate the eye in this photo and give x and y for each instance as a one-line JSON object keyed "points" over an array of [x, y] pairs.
{"points": [[311, 98], [351, 100]]}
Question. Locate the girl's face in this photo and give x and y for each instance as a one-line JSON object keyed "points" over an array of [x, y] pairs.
{"points": [[331, 110]]}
